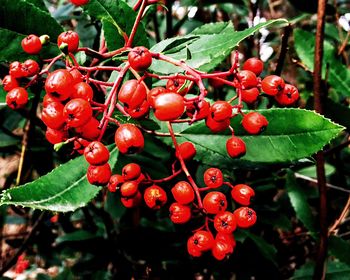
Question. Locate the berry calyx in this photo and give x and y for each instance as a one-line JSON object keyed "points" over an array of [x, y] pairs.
{"points": [[225, 222], [68, 40], [272, 85], [254, 123], [214, 202], [179, 214], [17, 98], [288, 96], [31, 44], [140, 58], [245, 217], [187, 151], [213, 178], [202, 240], [155, 197], [242, 194], [235, 147], [96, 153], [129, 139], [183, 192], [177, 85]]}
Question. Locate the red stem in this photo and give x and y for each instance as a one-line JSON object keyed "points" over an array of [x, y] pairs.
{"points": [[136, 24]]}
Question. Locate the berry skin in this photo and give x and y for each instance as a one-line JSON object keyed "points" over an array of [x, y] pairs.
{"points": [[115, 182], [225, 222], [214, 202], [48, 98], [183, 192], [90, 130], [96, 153], [192, 248], [245, 217], [242, 194], [187, 151], [129, 139], [31, 44], [220, 111], [77, 76], [16, 69], [176, 85], [203, 240], [129, 189], [30, 68], [130, 202], [254, 123], [201, 107], [247, 79], [216, 83], [99, 175], [17, 98], [9, 83], [82, 90], [59, 83], [155, 197], [227, 238], [79, 2], [77, 112], [272, 85], [153, 93], [288, 96], [250, 95], [131, 171], [254, 64], [213, 178], [132, 93], [70, 38], [139, 111], [140, 58], [221, 250], [52, 115], [215, 126], [235, 147], [168, 106], [179, 214], [55, 136]]}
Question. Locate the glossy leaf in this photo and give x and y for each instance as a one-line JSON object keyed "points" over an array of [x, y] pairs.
{"points": [[335, 271], [204, 56]]}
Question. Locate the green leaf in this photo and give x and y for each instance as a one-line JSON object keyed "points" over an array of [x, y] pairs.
{"points": [[209, 45], [311, 170], [64, 189], [8, 140], [335, 271], [39, 4], [298, 199], [78, 235], [116, 17], [339, 248], [292, 134]]}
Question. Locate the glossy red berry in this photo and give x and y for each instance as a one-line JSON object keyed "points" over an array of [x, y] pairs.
{"points": [[250, 95], [130, 202], [31, 44], [17, 98], [183, 192], [247, 79], [288, 96], [220, 111], [153, 93], [254, 64], [216, 126], [140, 58], [129, 189], [99, 175], [55, 136], [9, 83], [90, 130], [16, 69], [79, 145], [203, 240], [59, 84], [214, 202], [139, 111], [131, 171], [79, 2], [242, 194], [96, 153], [132, 93], [115, 182], [254, 123], [179, 214], [77, 112], [213, 178], [70, 38], [192, 248], [30, 68], [272, 85], [129, 139], [227, 238], [221, 250], [245, 217], [216, 83], [82, 90], [48, 98], [225, 222], [155, 197], [187, 151], [77, 76], [177, 85], [199, 108], [168, 106], [52, 115], [235, 147]]}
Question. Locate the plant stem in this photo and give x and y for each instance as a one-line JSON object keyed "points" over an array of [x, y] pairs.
{"points": [[136, 24], [334, 228], [284, 48]]}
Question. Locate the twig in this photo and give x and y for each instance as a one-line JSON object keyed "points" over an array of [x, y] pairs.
{"points": [[284, 48], [334, 228], [312, 180]]}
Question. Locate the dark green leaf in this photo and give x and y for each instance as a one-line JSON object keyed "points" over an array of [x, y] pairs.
{"points": [[8, 140], [39, 4], [78, 235], [335, 271], [339, 248], [311, 170]]}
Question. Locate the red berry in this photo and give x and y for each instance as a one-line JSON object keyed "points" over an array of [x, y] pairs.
{"points": [[272, 85], [221, 250], [213, 178], [131, 171], [250, 95], [179, 214], [52, 115], [155, 197], [115, 182], [247, 79], [235, 147], [254, 123], [192, 248], [17, 98], [201, 108], [220, 111], [242, 193], [168, 106], [288, 96], [9, 83], [245, 217], [139, 111], [214, 202], [140, 58], [79, 2], [59, 83], [129, 189], [132, 93], [77, 112], [99, 174], [16, 69], [31, 44], [227, 238], [254, 64], [225, 222], [153, 93], [77, 76], [183, 192], [90, 130], [30, 68], [215, 126], [203, 240], [55, 136], [48, 98], [129, 139], [70, 38], [187, 151], [82, 90], [215, 83], [79, 145], [130, 202], [96, 153], [177, 85]]}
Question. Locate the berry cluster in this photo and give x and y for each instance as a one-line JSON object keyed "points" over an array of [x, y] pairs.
{"points": [[72, 114]]}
